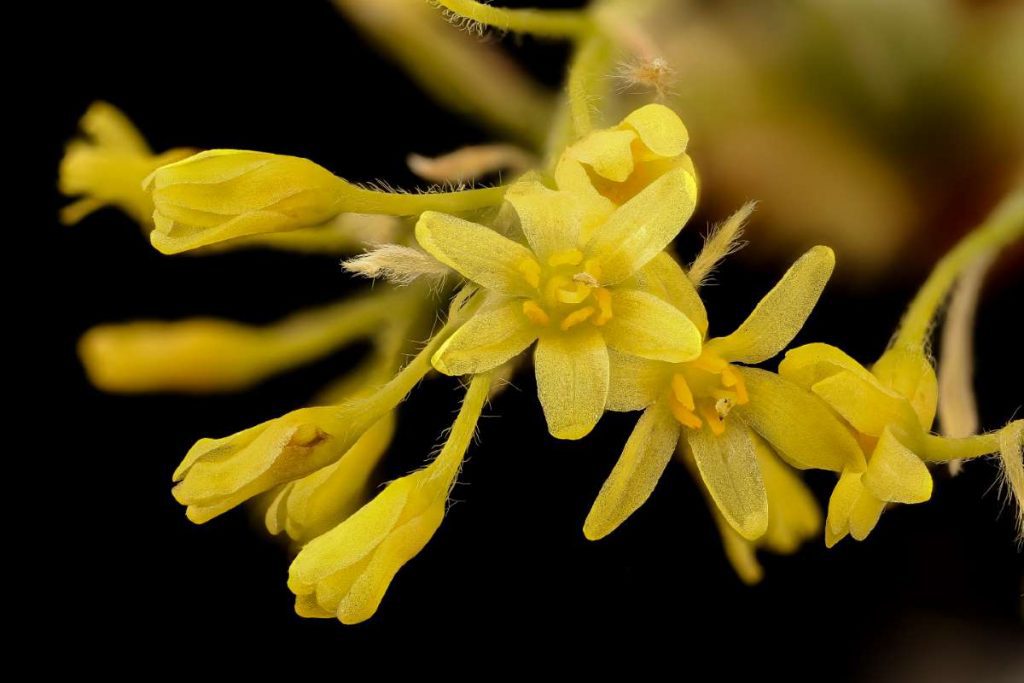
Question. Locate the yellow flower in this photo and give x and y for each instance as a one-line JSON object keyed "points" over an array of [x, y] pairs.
{"points": [[109, 165], [308, 507], [225, 194], [219, 474], [345, 572], [715, 410], [793, 515], [613, 165], [207, 354], [575, 296]]}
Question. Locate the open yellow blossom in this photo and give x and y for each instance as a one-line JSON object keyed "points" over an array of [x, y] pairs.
{"points": [[225, 194], [570, 288], [715, 410], [345, 572], [612, 165], [793, 514], [108, 166], [891, 406]]}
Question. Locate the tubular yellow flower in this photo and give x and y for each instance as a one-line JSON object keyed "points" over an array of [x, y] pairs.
{"points": [[108, 166], [613, 165], [715, 411], [574, 295], [225, 194], [219, 474], [206, 354], [793, 515], [891, 406], [345, 572]]}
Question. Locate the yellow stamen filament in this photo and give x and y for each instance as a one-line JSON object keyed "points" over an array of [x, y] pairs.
{"points": [[574, 295], [530, 270], [685, 417], [536, 314], [682, 393], [566, 257], [576, 317], [604, 305], [714, 421]]}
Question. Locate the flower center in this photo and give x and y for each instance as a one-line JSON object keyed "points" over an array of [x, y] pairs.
{"points": [[705, 390], [569, 292]]}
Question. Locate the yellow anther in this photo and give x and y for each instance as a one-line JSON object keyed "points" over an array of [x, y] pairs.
{"points": [[554, 285], [576, 317], [566, 257], [731, 378], [604, 306], [681, 390], [574, 295], [714, 421], [536, 314], [530, 271], [685, 417]]}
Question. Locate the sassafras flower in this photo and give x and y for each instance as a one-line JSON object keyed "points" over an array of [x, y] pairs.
{"points": [[612, 165], [891, 406], [567, 285], [716, 410], [345, 572], [108, 166], [225, 194]]}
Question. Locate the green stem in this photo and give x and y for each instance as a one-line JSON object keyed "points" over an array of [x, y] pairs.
{"points": [[362, 200], [448, 462], [943, 449], [1003, 226], [538, 22]]}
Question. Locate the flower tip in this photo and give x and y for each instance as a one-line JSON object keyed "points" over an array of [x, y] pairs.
{"points": [[595, 530]]}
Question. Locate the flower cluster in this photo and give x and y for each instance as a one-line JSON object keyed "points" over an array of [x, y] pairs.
{"points": [[573, 259]]}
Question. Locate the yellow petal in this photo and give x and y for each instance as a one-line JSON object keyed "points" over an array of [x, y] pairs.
{"points": [[572, 381], [778, 317], [911, 374], [895, 474], [861, 403], [728, 465], [643, 226], [550, 219], [793, 513], [865, 515], [405, 542], [111, 128], [477, 252], [632, 480], [665, 279], [808, 364], [741, 553], [797, 424], [635, 383], [488, 339], [354, 539], [840, 506], [646, 326], [608, 152], [660, 129]]}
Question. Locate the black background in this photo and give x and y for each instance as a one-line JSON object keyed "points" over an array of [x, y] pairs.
{"points": [[509, 573]]}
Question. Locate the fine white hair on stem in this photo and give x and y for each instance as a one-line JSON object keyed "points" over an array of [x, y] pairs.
{"points": [[958, 410], [1011, 460], [724, 239], [397, 264]]}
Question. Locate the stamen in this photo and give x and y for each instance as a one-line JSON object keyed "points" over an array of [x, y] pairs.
{"points": [[681, 390], [576, 317], [530, 270], [604, 305], [714, 421], [575, 295], [684, 416], [536, 314], [587, 279], [566, 257]]}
